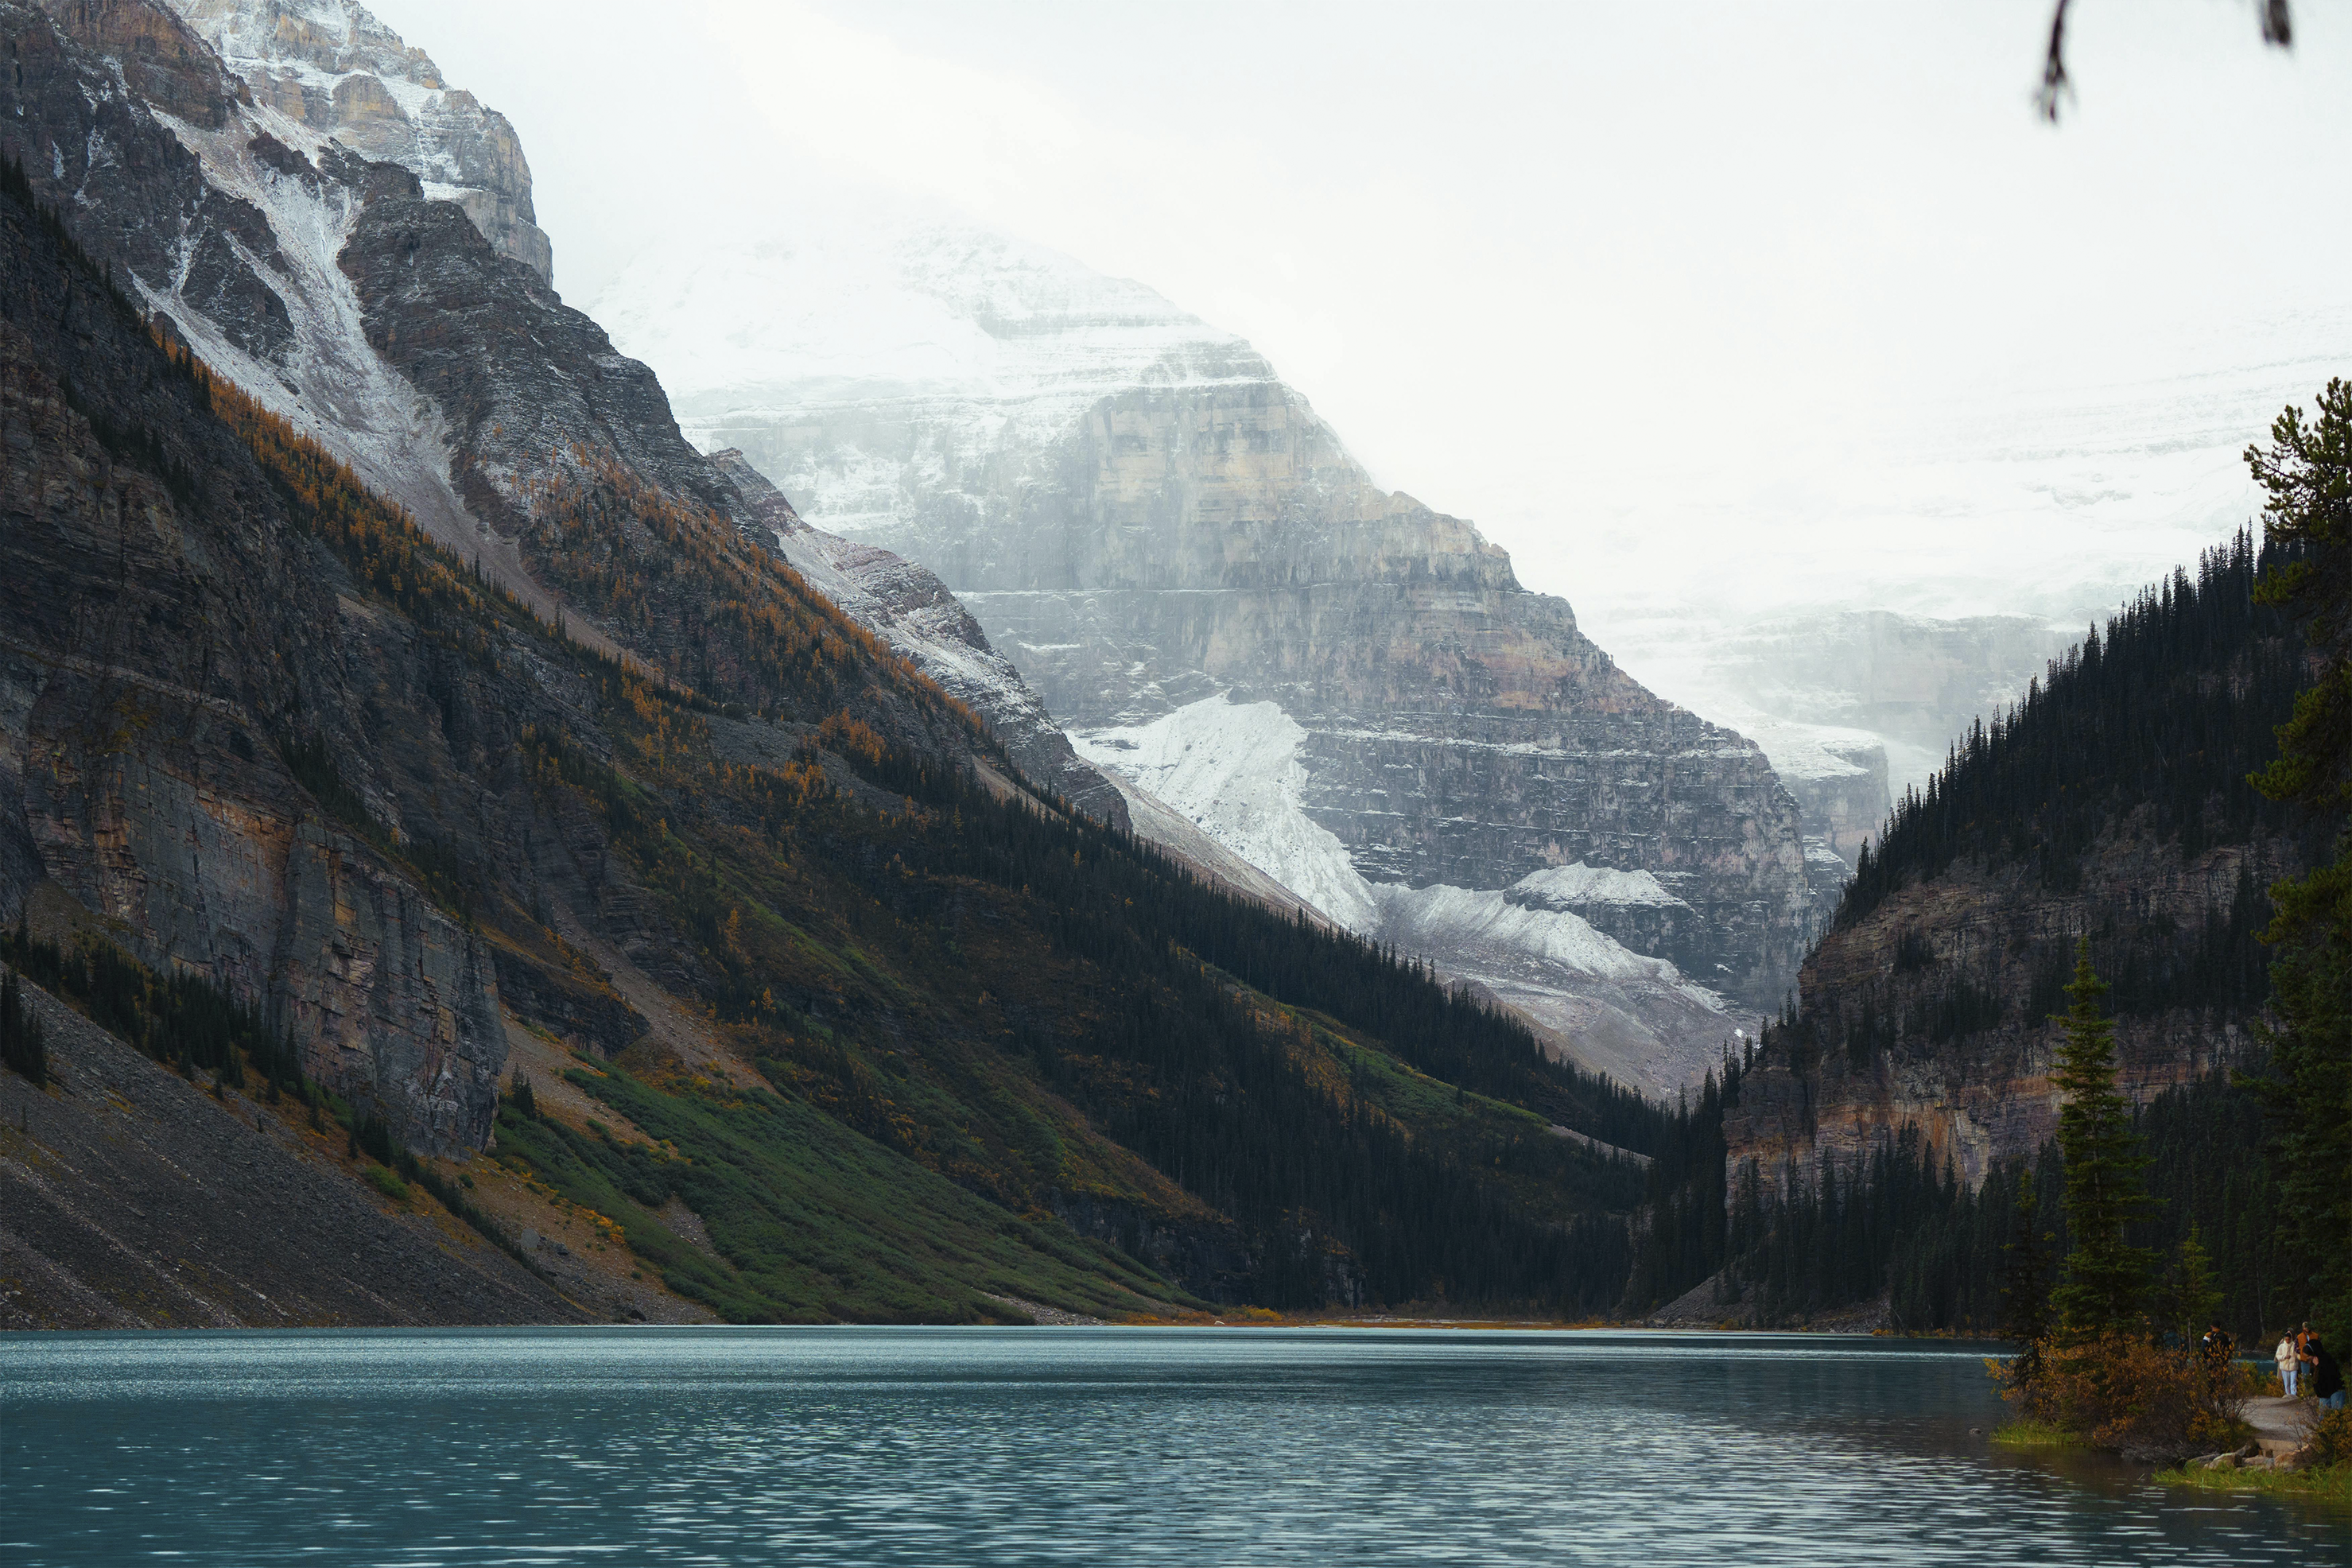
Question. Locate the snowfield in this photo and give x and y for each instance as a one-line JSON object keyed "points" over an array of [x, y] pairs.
{"points": [[1234, 769], [1231, 771]]}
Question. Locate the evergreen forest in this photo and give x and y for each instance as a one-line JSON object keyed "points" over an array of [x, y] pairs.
{"points": [[1088, 1075], [2151, 731]]}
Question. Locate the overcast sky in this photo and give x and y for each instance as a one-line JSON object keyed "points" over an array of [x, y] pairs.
{"points": [[1718, 304]]}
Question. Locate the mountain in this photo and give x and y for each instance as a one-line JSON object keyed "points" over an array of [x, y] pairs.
{"points": [[412, 749], [1909, 1082], [2112, 803], [331, 67], [1853, 706], [1158, 532], [912, 611]]}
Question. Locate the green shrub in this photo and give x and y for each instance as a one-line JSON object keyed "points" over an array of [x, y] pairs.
{"points": [[386, 1183]]}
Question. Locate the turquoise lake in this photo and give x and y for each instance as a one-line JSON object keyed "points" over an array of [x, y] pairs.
{"points": [[1057, 1445]]}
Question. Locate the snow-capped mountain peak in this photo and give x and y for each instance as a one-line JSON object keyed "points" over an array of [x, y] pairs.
{"points": [[330, 65]]}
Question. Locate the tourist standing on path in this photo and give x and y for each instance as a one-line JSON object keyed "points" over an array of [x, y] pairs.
{"points": [[2327, 1377], [2288, 1364]]}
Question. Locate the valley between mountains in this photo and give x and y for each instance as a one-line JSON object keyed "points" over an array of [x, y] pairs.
{"points": [[1000, 819]]}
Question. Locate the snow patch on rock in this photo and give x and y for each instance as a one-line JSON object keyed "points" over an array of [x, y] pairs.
{"points": [[1233, 769], [330, 384], [1579, 886]]}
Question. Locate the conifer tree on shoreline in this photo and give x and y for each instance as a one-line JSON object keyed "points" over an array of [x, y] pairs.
{"points": [[2307, 473], [2104, 1281]]}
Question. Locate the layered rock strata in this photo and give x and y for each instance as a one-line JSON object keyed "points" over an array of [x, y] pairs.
{"points": [[1143, 517], [1934, 1011], [912, 610]]}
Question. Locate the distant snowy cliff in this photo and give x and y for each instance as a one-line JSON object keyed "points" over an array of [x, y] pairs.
{"points": [[1178, 552]]}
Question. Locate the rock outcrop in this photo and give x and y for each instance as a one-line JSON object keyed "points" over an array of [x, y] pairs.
{"points": [[331, 66], [135, 1200], [1942, 1000]]}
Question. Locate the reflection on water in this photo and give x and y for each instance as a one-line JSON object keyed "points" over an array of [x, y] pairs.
{"points": [[971, 1446]]}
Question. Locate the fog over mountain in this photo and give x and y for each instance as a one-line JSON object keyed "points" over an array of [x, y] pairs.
{"points": [[1690, 381], [1280, 436]]}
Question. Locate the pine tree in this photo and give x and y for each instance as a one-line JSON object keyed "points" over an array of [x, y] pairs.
{"points": [[2025, 1288], [23, 1049], [2104, 1279], [2194, 1297], [2308, 475]]}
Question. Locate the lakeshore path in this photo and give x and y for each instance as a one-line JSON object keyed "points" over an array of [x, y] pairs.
{"points": [[2279, 1424]]}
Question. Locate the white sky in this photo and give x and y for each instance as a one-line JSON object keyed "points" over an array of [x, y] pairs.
{"points": [[1705, 308]]}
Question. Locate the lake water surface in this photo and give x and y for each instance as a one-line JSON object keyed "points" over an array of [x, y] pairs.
{"points": [[1056, 1446]]}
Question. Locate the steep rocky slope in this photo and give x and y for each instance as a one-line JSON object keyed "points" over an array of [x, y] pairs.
{"points": [[156, 676], [2113, 804], [912, 611], [846, 1021], [330, 65], [1145, 518], [129, 1198]]}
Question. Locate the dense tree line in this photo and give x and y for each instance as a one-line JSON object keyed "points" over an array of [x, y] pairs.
{"points": [[1904, 1224], [2166, 713], [183, 1020], [2307, 475], [24, 1046], [1339, 1201]]}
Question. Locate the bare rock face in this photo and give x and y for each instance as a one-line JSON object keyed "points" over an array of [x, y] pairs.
{"points": [[73, 110], [1934, 1010], [523, 381], [333, 66], [1143, 517], [911, 609], [162, 644]]}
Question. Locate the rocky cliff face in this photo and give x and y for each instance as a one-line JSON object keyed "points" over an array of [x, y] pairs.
{"points": [[1144, 517], [162, 643], [1934, 1010], [332, 67], [912, 610]]}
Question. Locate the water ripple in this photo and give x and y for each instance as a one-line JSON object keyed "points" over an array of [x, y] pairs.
{"points": [[889, 1446]]}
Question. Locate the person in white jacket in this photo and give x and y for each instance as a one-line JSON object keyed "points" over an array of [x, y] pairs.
{"points": [[2288, 1364]]}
